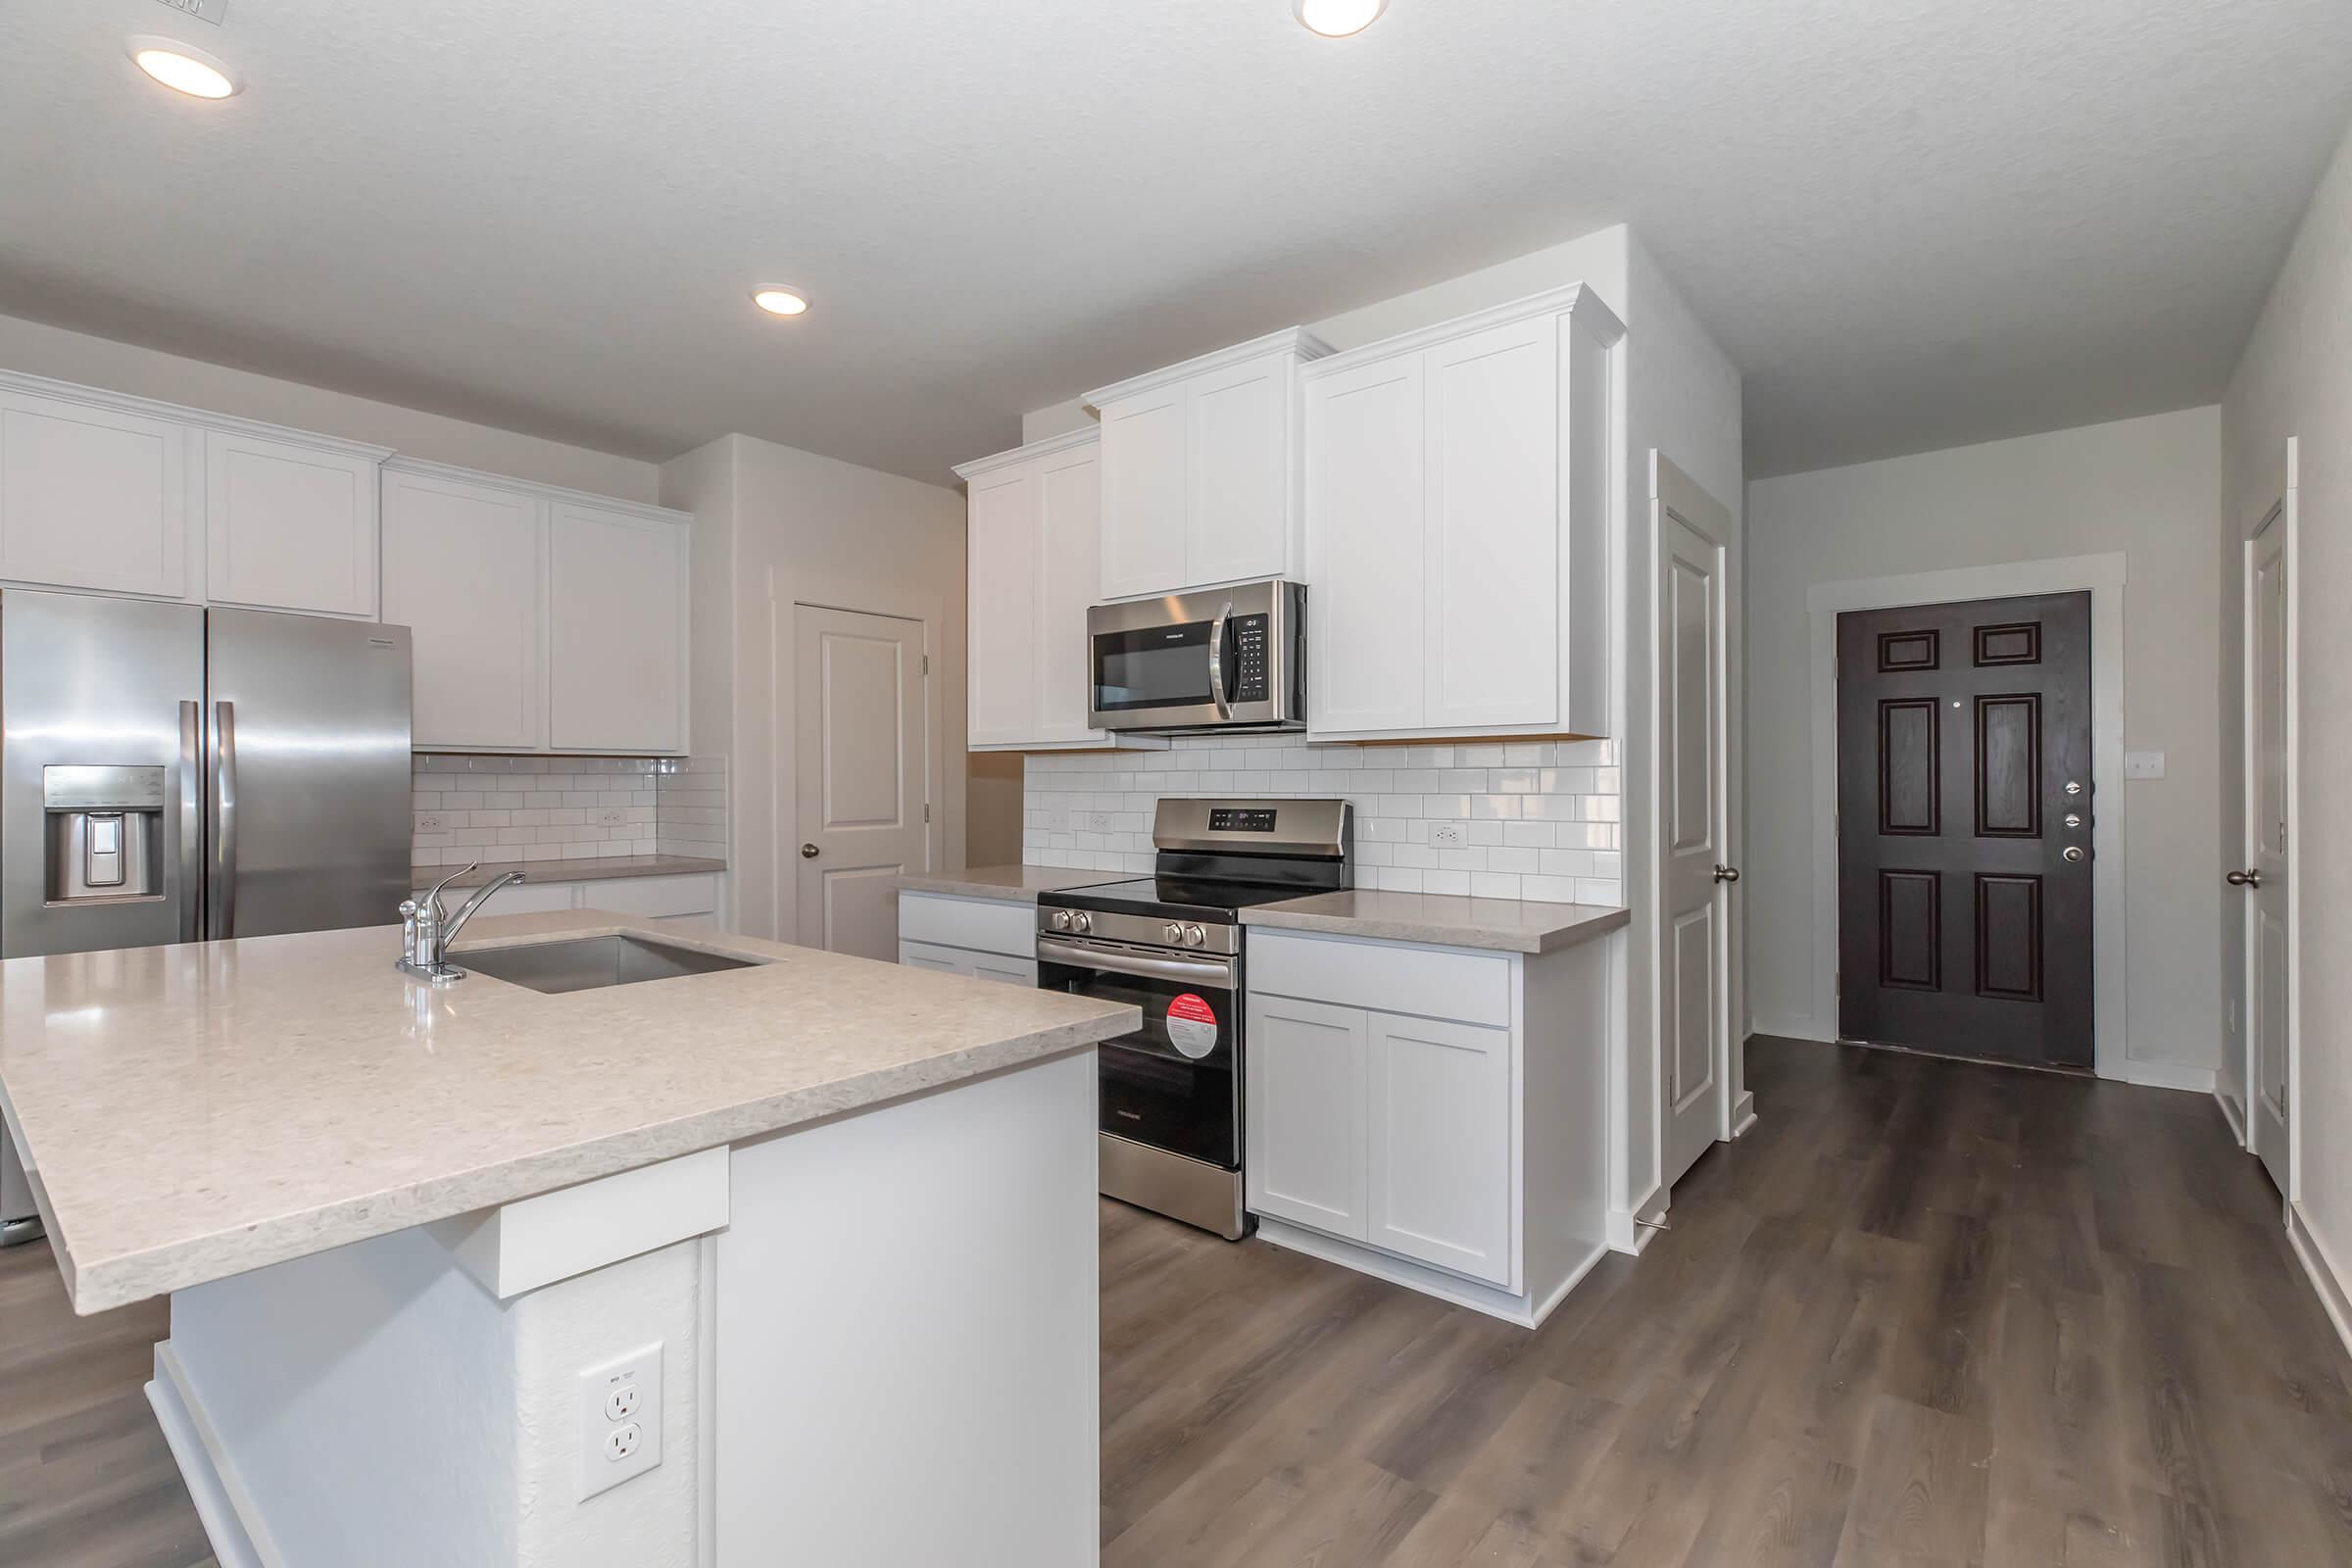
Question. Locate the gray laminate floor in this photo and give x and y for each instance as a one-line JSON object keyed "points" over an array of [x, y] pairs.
{"points": [[1925, 1313]]}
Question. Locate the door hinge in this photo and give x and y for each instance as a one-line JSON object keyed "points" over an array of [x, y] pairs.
{"points": [[926, 663], [926, 811]]}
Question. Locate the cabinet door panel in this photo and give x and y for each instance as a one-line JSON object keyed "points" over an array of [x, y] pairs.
{"points": [[1305, 1114], [1365, 508], [1001, 634], [1440, 1162], [616, 631], [461, 568], [1239, 515], [289, 526], [1492, 548], [1069, 570], [1144, 489], [92, 497]]}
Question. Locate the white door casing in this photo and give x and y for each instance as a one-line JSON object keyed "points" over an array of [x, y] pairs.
{"points": [[863, 772], [2270, 899], [1695, 966]]}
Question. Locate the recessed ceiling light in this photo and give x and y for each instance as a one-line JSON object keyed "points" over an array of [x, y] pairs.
{"points": [[781, 302], [1338, 19], [184, 67]]}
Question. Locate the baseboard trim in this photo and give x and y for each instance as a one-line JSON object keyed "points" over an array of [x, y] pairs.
{"points": [[2235, 1117], [194, 1447], [1743, 1112], [1520, 1310], [2322, 1270], [1626, 1229], [2170, 1075], [1793, 1028]]}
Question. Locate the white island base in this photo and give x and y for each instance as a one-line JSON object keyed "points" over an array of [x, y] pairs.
{"points": [[876, 1346]]}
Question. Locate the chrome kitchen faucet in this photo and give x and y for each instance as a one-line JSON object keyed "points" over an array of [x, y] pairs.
{"points": [[427, 930]]}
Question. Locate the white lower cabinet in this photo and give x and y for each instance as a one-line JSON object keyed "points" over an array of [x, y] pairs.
{"points": [[1459, 1148], [971, 965], [980, 939]]}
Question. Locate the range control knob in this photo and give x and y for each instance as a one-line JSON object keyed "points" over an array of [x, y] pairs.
{"points": [[1062, 919], [1082, 922], [1173, 932], [1194, 936]]}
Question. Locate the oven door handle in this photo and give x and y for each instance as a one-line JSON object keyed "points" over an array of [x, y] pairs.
{"points": [[1216, 660], [1053, 950]]}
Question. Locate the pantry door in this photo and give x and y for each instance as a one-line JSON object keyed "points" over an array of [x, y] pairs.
{"points": [[864, 813]]}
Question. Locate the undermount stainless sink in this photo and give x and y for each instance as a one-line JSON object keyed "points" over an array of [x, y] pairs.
{"points": [[590, 963]]}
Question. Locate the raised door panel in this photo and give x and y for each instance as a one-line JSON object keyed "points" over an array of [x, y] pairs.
{"points": [[1305, 1114], [92, 497], [1441, 1159], [1070, 574], [1002, 640], [1238, 519], [1145, 488], [289, 526], [462, 572], [1364, 545], [1491, 549], [616, 631]]}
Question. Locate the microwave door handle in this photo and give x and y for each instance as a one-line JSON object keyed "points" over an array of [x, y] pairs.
{"points": [[191, 822], [1216, 660]]}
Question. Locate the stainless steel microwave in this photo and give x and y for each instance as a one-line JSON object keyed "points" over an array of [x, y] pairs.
{"points": [[1223, 658]]}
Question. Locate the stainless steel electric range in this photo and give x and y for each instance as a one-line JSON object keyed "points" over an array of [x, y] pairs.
{"points": [[1171, 944]]}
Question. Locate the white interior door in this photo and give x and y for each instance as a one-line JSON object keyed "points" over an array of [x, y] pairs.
{"points": [[1696, 874], [861, 768], [2264, 878]]}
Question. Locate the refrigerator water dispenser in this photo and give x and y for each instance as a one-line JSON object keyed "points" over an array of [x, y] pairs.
{"points": [[105, 833]]}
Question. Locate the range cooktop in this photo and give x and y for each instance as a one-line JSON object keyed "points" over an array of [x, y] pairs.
{"points": [[1171, 897]]}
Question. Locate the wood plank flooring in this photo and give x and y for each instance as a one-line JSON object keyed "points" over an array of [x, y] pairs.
{"points": [[1926, 1315]]}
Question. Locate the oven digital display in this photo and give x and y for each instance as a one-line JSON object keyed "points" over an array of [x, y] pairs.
{"points": [[1233, 819]]}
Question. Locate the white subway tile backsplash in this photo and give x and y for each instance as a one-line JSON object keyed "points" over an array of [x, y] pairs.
{"points": [[1538, 819], [555, 807]]}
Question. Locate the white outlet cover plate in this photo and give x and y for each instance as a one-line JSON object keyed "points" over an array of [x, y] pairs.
{"points": [[642, 1370], [2144, 764], [1447, 834]]}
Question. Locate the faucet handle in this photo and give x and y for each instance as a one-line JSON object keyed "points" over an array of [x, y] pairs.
{"points": [[432, 899]]}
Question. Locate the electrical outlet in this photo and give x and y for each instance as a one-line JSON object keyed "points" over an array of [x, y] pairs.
{"points": [[1100, 821], [1447, 835], [1058, 821], [431, 822], [612, 817], [620, 1419]]}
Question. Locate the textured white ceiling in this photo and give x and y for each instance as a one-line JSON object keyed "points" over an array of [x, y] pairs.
{"points": [[1912, 222]]}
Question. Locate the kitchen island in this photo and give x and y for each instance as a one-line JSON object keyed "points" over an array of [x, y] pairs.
{"points": [[788, 1260]]}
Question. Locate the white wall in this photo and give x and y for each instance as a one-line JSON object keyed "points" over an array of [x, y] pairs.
{"points": [[769, 515], [50, 351], [2145, 487], [2295, 380]]}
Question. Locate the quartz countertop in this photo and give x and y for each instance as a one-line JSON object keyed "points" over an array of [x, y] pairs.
{"points": [[198, 1110], [604, 869], [1443, 919], [1012, 883]]}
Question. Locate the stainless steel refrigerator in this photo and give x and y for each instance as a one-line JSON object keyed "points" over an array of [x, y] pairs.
{"points": [[170, 773]]}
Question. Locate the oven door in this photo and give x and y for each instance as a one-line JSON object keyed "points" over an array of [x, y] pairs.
{"points": [[1175, 1083], [1226, 659]]}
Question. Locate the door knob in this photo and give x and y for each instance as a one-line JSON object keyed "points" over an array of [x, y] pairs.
{"points": [[807, 852], [2070, 854], [2245, 879], [1727, 874]]}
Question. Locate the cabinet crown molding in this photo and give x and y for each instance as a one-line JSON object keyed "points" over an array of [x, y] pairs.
{"points": [[182, 414], [1294, 340], [1576, 299], [547, 492], [1067, 442]]}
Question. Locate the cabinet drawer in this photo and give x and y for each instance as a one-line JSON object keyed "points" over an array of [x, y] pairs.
{"points": [[1384, 976], [982, 925], [938, 961], [657, 896]]}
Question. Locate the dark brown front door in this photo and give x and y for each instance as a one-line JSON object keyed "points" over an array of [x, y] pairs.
{"points": [[1963, 786]]}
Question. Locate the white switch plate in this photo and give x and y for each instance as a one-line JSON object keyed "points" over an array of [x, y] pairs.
{"points": [[620, 1419], [2144, 764]]}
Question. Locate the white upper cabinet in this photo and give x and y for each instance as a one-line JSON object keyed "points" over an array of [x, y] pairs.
{"points": [[617, 630], [290, 524], [92, 495], [463, 569], [1456, 517], [1200, 470], [1034, 565]]}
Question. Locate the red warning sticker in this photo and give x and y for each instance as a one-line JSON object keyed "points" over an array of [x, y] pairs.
{"points": [[1191, 1025]]}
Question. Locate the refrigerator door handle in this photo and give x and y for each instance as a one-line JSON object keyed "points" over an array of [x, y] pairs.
{"points": [[191, 822], [221, 887]]}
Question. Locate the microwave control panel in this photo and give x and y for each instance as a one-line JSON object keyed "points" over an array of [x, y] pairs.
{"points": [[1250, 649]]}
